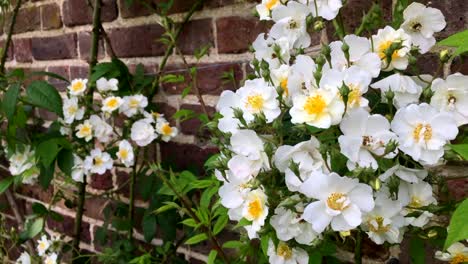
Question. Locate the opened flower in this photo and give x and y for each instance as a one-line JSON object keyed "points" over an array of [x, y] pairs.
{"points": [[71, 110], [284, 254], [404, 88], [451, 95], [164, 129], [133, 105], [393, 48], [42, 245], [415, 196], [111, 103], [291, 23], [125, 153], [143, 132], [85, 130], [78, 87], [255, 209], [264, 9], [98, 162], [457, 253], [104, 85]]}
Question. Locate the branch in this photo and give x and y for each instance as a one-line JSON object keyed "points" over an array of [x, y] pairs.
{"points": [[10, 33]]}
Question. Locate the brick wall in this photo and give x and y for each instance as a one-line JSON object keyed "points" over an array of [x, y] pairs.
{"points": [[54, 35]]}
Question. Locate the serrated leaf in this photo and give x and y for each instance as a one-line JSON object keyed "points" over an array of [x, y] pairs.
{"points": [[44, 95], [5, 183], [10, 100], [196, 239], [458, 40], [220, 223], [457, 229]]}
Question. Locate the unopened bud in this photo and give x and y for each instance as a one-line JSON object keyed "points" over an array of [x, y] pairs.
{"points": [[444, 56], [319, 25], [432, 233]]}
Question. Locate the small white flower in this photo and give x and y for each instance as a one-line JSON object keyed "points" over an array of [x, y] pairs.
{"points": [[301, 76], [22, 161], [24, 258], [111, 103], [133, 105], [328, 9], [264, 9], [406, 90], [280, 78], [273, 51], [51, 259], [104, 85], [457, 253], [405, 174], [143, 132], [284, 254], [71, 110], [78, 171], [247, 143], [125, 153], [421, 23], [42, 245], [306, 155], [382, 43], [255, 209], [414, 196], [98, 162], [164, 129], [360, 55], [423, 132], [78, 87], [291, 23], [341, 201], [384, 222], [365, 135], [357, 81], [257, 96], [451, 95], [101, 129], [228, 101], [85, 130]]}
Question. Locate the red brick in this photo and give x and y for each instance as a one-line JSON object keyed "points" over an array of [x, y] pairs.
{"points": [[194, 126], [236, 34], [102, 182], [137, 41], [427, 63], [28, 19], [135, 9], [218, 3], [84, 44], [168, 111], [79, 72], [63, 71], [458, 188], [147, 69], [460, 65], [208, 78], [36, 192], [23, 52], [54, 48], [10, 49], [95, 206], [67, 227], [185, 156], [196, 34], [50, 15], [178, 6], [77, 12]]}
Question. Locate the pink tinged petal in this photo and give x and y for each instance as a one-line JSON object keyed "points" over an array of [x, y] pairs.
{"points": [[315, 214], [362, 197]]}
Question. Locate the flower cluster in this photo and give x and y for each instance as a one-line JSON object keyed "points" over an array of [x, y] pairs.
{"points": [[340, 141], [47, 251], [23, 164], [105, 128]]}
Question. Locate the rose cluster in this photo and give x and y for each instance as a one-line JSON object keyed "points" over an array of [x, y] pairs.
{"points": [[338, 142]]}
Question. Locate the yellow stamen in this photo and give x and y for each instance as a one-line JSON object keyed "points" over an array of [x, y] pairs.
{"points": [[425, 130], [271, 3], [381, 228], [123, 153], [166, 129], [459, 258], [415, 202], [284, 85], [85, 130], [72, 110], [284, 250], [255, 208], [133, 103], [354, 96], [77, 86], [315, 105], [98, 161], [112, 103], [383, 48], [255, 102], [336, 201]]}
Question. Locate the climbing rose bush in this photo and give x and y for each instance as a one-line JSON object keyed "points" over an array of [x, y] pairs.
{"points": [[340, 142]]}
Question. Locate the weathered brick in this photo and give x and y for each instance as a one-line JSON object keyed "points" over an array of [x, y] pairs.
{"points": [[102, 182], [95, 207], [137, 41], [23, 50], [78, 72], [458, 188], [10, 49], [50, 15], [63, 71], [185, 156], [178, 6], [77, 12], [236, 34], [84, 44], [28, 19], [427, 63], [194, 126], [67, 227], [167, 110], [36, 192], [54, 48], [209, 78], [196, 34], [219, 3], [135, 9], [460, 65]]}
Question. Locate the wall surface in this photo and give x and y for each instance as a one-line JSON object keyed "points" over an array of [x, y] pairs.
{"points": [[54, 35]]}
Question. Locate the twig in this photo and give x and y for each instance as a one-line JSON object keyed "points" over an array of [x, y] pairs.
{"points": [[108, 42], [10, 33], [18, 217]]}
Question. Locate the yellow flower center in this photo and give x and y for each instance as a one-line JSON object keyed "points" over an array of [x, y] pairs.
{"points": [[255, 208], [42, 245], [422, 130], [77, 86], [354, 96], [380, 228], [255, 102], [284, 85], [72, 110], [415, 202], [166, 129], [271, 3], [315, 105], [383, 47], [112, 103], [133, 103], [123, 153], [459, 258], [98, 161], [49, 261], [85, 130], [337, 201], [284, 251]]}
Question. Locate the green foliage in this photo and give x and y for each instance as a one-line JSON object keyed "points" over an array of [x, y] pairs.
{"points": [[5, 183], [458, 41], [10, 100], [44, 95], [417, 250], [399, 7], [458, 230], [461, 149]]}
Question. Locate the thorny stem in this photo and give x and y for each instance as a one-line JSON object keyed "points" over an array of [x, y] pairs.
{"points": [[170, 48], [188, 206], [10, 33], [82, 186]]}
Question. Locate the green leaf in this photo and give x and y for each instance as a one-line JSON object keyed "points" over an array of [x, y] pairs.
{"points": [[458, 40], [186, 91], [201, 184], [168, 206], [212, 257], [65, 161], [47, 151], [461, 149], [42, 94], [35, 228], [190, 222], [39, 209], [457, 229], [5, 183], [264, 243], [196, 239], [149, 225], [232, 244], [46, 175], [56, 216], [221, 222], [417, 251], [315, 257], [207, 195], [10, 100]]}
